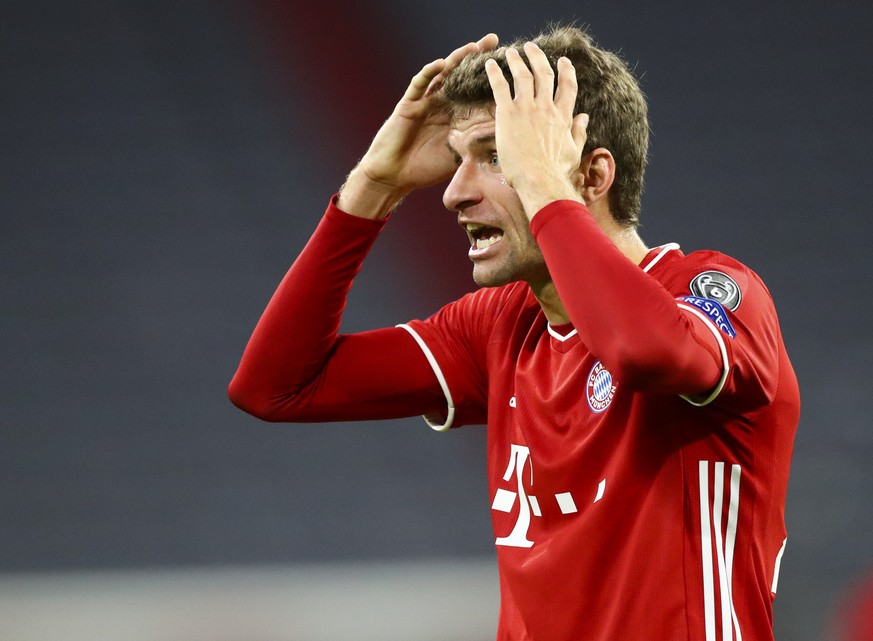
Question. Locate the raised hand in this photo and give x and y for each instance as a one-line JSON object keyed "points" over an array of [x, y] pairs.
{"points": [[539, 142], [409, 150]]}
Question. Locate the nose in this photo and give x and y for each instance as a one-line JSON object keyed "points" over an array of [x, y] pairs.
{"points": [[463, 189]]}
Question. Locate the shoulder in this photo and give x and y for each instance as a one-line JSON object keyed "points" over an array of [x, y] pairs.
{"points": [[729, 294], [491, 303], [712, 275], [479, 316]]}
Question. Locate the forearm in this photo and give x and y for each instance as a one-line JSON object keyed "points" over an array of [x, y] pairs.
{"points": [[298, 329], [366, 198], [626, 317]]}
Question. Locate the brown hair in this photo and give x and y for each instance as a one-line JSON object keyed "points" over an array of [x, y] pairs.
{"points": [[608, 93]]}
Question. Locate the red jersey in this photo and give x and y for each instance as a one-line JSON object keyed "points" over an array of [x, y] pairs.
{"points": [[620, 514], [621, 510]]}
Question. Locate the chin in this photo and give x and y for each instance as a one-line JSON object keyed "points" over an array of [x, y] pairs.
{"points": [[490, 279]]}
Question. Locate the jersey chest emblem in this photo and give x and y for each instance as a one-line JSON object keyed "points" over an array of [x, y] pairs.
{"points": [[600, 388]]}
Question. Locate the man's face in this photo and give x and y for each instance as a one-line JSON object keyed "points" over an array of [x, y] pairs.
{"points": [[502, 247]]}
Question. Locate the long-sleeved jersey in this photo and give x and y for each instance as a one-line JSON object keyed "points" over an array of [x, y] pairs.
{"points": [[627, 500]]}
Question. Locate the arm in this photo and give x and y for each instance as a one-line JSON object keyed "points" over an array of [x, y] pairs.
{"points": [[296, 366], [624, 316]]}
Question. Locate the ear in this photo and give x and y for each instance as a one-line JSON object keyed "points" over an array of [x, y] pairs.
{"points": [[595, 176]]}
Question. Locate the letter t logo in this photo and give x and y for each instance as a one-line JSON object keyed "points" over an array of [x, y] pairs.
{"points": [[518, 456]]}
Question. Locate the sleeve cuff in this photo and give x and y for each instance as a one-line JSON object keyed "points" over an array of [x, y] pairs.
{"points": [[367, 225], [437, 370], [554, 210], [702, 400]]}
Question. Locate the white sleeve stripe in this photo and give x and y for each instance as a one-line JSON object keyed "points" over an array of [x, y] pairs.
{"points": [[726, 366], [450, 416]]}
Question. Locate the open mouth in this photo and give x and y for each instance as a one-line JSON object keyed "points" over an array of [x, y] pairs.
{"points": [[482, 236]]}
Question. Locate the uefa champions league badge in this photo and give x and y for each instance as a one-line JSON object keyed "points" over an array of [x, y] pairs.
{"points": [[601, 388], [719, 287]]}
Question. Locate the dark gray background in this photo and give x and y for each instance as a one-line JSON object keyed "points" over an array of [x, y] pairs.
{"points": [[162, 163]]}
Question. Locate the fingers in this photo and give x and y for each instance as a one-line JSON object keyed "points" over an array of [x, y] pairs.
{"points": [[544, 77], [499, 86], [522, 78], [579, 130], [454, 58], [535, 81], [538, 80], [421, 81], [568, 88], [451, 61], [486, 43]]}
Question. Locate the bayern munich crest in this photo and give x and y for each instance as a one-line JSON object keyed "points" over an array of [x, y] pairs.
{"points": [[601, 388]]}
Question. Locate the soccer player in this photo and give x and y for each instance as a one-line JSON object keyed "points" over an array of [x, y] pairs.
{"points": [[641, 407]]}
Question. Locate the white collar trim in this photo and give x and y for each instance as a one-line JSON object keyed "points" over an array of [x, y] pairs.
{"points": [[560, 337], [664, 249]]}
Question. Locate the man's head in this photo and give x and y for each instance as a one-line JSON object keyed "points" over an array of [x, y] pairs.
{"points": [[608, 93]]}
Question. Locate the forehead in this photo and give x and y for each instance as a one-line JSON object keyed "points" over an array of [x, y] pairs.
{"points": [[474, 127]]}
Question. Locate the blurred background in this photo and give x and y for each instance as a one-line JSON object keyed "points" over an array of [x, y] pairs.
{"points": [[162, 163]]}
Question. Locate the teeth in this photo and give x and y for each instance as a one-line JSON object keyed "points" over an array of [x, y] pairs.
{"points": [[483, 236], [482, 243]]}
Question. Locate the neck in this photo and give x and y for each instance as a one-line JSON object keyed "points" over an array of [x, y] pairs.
{"points": [[628, 242]]}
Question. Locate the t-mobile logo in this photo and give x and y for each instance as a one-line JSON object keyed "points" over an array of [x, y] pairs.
{"points": [[528, 505], [519, 455]]}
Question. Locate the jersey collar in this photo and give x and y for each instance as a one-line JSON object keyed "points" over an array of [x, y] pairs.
{"points": [[656, 254], [563, 333], [566, 336]]}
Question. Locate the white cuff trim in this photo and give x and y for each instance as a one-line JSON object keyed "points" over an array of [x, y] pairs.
{"points": [[450, 416], [777, 566], [726, 366]]}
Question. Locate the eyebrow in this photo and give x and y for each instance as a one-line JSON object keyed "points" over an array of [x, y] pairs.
{"points": [[487, 139]]}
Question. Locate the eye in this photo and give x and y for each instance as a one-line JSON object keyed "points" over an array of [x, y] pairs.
{"points": [[493, 160]]}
